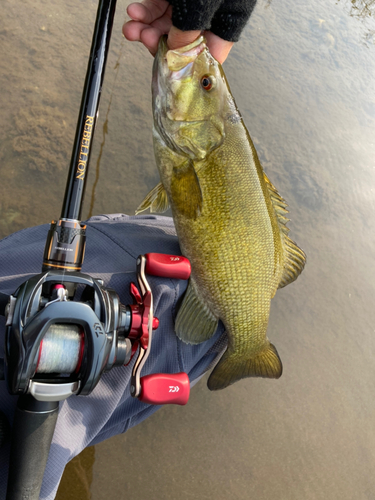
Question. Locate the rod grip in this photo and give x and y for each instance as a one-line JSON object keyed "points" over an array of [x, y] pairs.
{"points": [[33, 427], [4, 429]]}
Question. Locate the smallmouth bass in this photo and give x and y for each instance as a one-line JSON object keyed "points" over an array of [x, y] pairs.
{"points": [[229, 218]]}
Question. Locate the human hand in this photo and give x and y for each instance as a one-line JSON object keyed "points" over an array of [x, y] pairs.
{"points": [[153, 18]]}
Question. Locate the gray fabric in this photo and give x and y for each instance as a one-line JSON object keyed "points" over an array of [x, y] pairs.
{"points": [[113, 244]]}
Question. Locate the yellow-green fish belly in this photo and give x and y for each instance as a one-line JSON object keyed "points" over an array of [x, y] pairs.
{"points": [[234, 245]]}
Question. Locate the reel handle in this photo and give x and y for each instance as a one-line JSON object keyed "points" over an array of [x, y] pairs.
{"points": [[157, 388], [165, 388]]}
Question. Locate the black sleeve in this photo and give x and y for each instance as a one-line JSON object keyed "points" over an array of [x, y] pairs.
{"points": [[225, 18], [231, 18]]}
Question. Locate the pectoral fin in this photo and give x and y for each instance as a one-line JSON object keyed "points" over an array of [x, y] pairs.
{"points": [[156, 201], [195, 323], [185, 190]]}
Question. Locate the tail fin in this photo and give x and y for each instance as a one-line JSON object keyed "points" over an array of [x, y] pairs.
{"points": [[231, 368]]}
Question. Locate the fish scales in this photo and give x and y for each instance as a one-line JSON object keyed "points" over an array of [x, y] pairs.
{"points": [[228, 257], [229, 218]]}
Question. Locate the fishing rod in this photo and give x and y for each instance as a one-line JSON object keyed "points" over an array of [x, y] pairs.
{"points": [[64, 329]]}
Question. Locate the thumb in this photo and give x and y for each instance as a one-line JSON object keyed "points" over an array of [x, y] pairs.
{"points": [[178, 38]]}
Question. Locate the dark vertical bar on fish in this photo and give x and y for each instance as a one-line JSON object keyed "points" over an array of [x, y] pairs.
{"points": [[76, 183]]}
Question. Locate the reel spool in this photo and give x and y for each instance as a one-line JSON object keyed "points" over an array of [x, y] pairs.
{"points": [[61, 350]]}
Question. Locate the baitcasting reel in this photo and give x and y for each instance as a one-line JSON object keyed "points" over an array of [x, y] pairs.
{"points": [[64, 330]]}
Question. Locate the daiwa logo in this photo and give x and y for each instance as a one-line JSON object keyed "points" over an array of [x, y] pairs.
{"points": [[174, 388], [98, 329]]}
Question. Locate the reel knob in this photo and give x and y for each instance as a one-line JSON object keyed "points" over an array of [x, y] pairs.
{"points": [[164, 389], [168, 266]]}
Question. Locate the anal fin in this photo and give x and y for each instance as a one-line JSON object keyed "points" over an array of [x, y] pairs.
{"points": [[195, 323]]}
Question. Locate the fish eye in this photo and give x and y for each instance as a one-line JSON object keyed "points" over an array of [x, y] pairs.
{"points": [[207, 82]]}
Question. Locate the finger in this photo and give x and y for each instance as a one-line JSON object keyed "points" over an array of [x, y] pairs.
{"points": [[218, 47], [140, 32], [132, 30], [163, 23], [150, 39], [178, 38], [147, 11]]}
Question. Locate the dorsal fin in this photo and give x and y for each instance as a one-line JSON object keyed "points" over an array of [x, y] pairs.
{"points": [[295, 258], [279, 204], [156, 200]]}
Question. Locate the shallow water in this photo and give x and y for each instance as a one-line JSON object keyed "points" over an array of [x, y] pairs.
{"points": [[303, 77]]}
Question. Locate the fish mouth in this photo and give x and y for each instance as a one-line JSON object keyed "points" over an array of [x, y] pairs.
{"points": [[162, 48], [176, 64], [177, 59], [180, 59], [169, 66], [173, 65]]}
